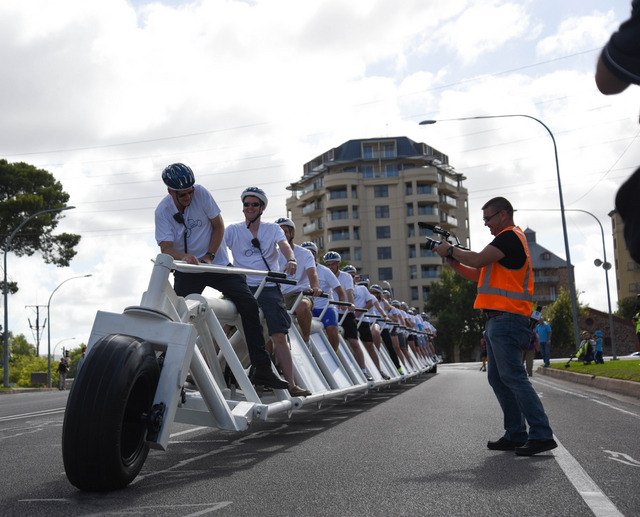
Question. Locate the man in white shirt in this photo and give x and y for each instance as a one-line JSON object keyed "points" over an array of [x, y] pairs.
{"points": [[306, 278], [349, 325], [189, 227], [257, 245]]}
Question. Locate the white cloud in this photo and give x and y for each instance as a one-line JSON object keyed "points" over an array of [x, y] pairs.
{"points": [[104, 94]]}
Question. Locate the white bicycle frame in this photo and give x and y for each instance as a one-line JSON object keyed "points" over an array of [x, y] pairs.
{"points": [[188, 334]]}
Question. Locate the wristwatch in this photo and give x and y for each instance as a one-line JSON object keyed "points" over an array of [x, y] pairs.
{"points": [[450, 252], [292, 259], [212, 255]]}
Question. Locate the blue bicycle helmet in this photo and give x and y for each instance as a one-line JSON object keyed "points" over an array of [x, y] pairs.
{"points": [[349, 269], [178, 176], [283, 221], [256, 192], [376, 288], [331, 256], [311, 246]]}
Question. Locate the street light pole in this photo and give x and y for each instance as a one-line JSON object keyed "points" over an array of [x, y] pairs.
{"points": [[53, 354], [572, 285], [6, 287], [605, 265], [49, 324]]}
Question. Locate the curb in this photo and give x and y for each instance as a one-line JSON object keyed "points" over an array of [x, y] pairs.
{"points": [[629, 388]]}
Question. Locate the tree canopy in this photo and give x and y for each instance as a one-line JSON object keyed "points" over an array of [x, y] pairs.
{"points": [[24, 191], [459, 325]]}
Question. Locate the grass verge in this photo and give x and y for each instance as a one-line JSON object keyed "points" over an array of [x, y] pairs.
{"points": [[627, 370]]}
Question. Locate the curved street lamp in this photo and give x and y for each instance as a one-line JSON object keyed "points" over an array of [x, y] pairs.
{"points": [[572, 285], [6, 289], [49, 323]]}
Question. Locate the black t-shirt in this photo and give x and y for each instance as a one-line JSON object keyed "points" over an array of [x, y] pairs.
{"points": [[515, 257]]}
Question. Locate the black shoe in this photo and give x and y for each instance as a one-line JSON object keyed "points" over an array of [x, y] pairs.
{"points": [[504, 445], [535, 446], [264, 376]]}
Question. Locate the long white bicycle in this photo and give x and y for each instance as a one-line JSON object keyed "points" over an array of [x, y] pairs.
{"points": [[131, 387]]}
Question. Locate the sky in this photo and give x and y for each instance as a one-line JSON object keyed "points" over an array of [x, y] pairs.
{"points": [[104, 94]]}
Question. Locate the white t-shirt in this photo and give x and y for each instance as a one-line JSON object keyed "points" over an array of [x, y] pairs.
{"points": [[346, 281], [327, 281], [305, 261], [247, 256], [197, 224], [361, 295]]}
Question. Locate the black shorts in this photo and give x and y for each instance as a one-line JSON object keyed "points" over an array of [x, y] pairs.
{"points": [[350, 326], [365, 332]]}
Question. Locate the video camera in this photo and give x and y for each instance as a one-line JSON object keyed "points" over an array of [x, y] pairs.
{"points": [[431, 243]]}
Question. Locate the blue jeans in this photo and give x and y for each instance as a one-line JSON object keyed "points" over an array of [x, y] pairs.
{"points": [[544, 352], [507, 336]]}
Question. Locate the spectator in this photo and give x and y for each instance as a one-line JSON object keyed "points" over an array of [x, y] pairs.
{"points": [[543, 329]]}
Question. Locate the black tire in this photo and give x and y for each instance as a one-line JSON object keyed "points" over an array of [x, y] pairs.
{"points": [[103, 435]]}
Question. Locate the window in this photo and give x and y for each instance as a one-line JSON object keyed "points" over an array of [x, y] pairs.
{"points": [[354, 192], [424, 189], [337, 194], [367, 171], [425, 210], [381, 191], [411, 230], [409, 209], [357, 253], [552, 293], [412, 251], [414, 293], [356, 233], [408, 188], [339, 235], [429, 271], [342, 213], [382, 212], [390, 170], [389, 150], [546, 256], [425, 292], [413, 272], [383, 232], [354, 212], [367, 151], [385, 273], [384, 253]]}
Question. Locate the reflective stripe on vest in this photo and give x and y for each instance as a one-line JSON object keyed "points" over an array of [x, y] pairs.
{"points": [[504, 289]]}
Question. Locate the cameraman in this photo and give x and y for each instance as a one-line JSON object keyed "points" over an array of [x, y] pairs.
{"points": [[505, 292]]}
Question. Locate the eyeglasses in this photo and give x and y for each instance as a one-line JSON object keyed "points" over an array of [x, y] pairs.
{"points": [[487, 219], [185, 193], [254, 204]]}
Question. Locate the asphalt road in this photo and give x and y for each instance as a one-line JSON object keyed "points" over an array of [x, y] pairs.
{"points": [[417, 449]]}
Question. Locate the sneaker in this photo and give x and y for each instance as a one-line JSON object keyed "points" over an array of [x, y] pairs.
{"points": [[535, 446], [385, 376], [297, 391], [264, 376], [400, 371], [504, 445]]}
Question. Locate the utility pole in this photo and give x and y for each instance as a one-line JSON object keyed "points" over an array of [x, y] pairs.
{"points": [[37, 329]]}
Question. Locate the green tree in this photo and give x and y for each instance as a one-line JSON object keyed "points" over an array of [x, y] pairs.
{"points": [[559, 316], [627, 307], [24, 191], [20, 346], [459, 325]]}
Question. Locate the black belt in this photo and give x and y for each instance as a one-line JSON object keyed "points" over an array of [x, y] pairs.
{"points": [[492, 314]]}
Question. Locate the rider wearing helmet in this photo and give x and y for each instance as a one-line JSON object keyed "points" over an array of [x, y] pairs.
{"points": [[306, 279], [258, 245], [189, 227], [349, 324]]}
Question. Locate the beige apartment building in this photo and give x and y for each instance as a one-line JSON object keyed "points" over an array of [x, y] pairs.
{"points": [[627, 270], [365, 200]]}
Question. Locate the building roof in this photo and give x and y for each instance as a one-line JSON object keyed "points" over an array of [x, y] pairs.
{"points": [[542, 258]]}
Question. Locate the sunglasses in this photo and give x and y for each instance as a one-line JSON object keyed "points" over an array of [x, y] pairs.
{"points": [[185, 193], [254, 204], [487, 219]]}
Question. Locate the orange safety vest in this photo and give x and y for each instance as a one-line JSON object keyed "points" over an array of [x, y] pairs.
{"points": [[510, 290]]}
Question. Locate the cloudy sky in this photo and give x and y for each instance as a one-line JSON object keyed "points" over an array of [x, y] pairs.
{"points": [[105, 93]]}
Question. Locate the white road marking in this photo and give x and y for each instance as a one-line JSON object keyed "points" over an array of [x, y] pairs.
{"points": [[600, 504]]}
